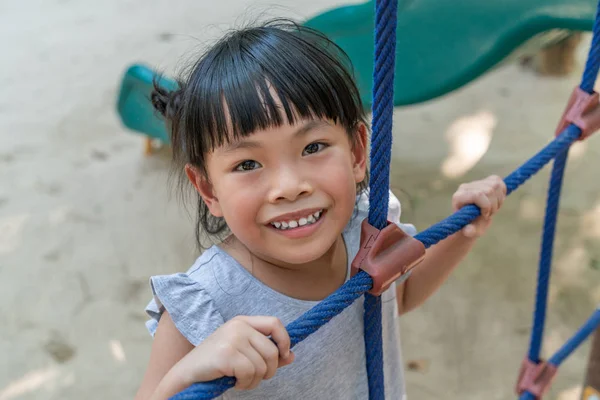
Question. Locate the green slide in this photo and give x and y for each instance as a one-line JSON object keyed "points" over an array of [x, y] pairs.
{"points": [[441, 46]]}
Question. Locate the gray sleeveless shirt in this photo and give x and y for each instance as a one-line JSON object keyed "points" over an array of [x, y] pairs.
{"points": [[330, 364]]}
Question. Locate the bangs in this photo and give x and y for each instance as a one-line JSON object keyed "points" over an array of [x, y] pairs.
{"points": [[261, 78], [255, 79]]}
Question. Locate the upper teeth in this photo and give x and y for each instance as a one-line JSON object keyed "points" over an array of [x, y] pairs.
{"points": [[309, 219]]}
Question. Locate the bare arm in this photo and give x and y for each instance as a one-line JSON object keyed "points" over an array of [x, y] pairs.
{"points": [[162, 380], [440, 260]]}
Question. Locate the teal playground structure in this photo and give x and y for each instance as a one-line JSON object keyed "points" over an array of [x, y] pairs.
{"points": [[441, 45]]}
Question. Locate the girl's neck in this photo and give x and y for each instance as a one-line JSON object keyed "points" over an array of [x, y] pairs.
{"points": [[312, 281]]}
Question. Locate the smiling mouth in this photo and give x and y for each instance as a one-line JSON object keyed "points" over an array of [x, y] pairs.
{"points": [[295, 223]]}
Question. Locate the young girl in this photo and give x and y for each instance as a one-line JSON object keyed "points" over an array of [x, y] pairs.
{"points": [[270, 131]]}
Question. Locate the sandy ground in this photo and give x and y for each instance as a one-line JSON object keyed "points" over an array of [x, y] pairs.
{"points": [[85, 218]]}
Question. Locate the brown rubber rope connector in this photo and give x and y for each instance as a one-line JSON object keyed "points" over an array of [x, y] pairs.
{"points": [[386, 255]]}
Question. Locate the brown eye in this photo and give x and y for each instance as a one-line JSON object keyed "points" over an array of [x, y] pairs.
{"points": [[313, 148], [247, 165]]}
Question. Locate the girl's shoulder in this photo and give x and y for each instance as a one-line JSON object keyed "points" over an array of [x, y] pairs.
{"points": [[394, 213], [192, 298]]}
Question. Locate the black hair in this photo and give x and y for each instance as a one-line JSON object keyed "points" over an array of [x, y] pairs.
{"points": [[228, 94]]}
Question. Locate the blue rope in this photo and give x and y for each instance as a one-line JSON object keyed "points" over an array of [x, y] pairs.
{"points": [[383, 110], [381, 156], [592, 64], [587, 84], [374, 346], [206, 390], [571, 345], [575, 341], [337, 302], [545, 262], [467, 214]]}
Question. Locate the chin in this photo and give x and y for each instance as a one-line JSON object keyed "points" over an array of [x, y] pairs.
{"points": [[304, 254], [298, 258]]}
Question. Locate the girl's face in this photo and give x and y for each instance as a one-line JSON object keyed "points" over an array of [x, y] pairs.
{"points": [[286, 193]]}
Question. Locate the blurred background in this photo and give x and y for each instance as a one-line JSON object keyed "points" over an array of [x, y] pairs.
{"points": [[86, 217]]}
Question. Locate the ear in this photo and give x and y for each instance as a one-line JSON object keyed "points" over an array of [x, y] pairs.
{"points": [[359, 153], [204, 188]]}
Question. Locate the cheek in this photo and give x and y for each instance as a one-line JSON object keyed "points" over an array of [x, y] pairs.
{"points": [[239, 205], [339, 180]]}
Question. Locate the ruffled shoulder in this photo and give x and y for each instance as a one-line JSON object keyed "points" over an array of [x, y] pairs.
{"points": [[190, 306]]}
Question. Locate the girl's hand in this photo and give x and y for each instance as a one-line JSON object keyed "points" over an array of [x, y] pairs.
{"points": [[240, 348], [487, 194]]}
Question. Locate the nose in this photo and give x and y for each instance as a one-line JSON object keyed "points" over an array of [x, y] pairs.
{"points": [[289, 183]]}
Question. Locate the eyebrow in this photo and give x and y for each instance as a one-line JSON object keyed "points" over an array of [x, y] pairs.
{"points": [[251, 144]]}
